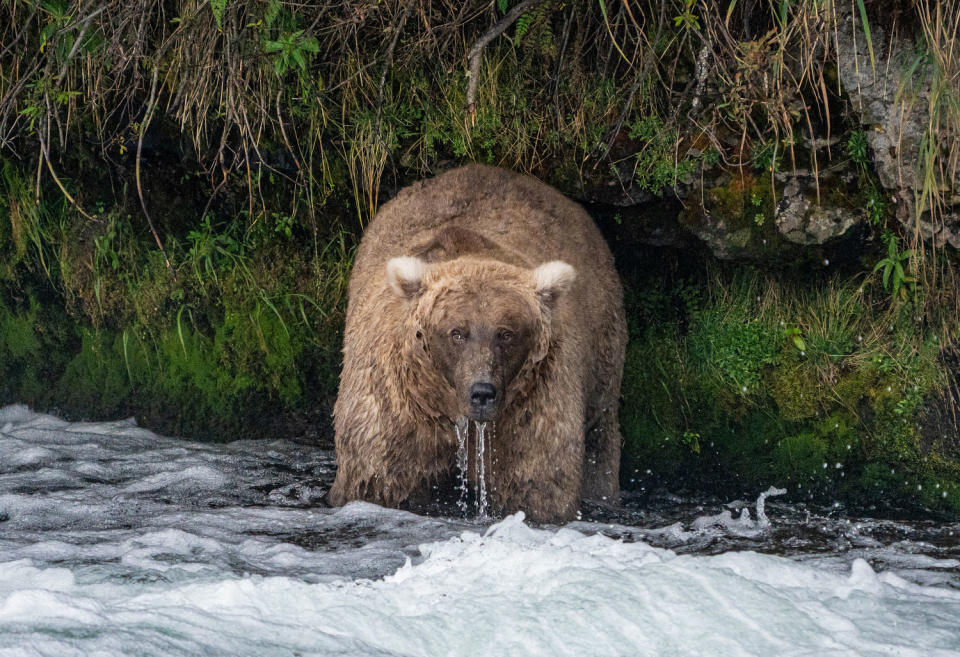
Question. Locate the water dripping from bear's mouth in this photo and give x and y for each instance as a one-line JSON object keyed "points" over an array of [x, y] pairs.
{"points": [[481, 504], [462, 459]]}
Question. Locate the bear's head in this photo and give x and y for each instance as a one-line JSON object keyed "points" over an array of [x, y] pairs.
{"points": [[478, 325]]}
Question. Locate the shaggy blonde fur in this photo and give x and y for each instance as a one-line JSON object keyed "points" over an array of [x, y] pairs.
{"points": [[482, 235]]}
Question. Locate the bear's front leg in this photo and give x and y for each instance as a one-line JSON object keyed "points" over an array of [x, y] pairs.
{"points": [[601, 459], [385, 467], [538, 470]]}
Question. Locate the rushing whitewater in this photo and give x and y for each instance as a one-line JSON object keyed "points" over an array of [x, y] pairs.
{"points": [[115, 541]]}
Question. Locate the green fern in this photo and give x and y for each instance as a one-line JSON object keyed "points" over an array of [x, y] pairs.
{"points": [[535, 31], [218, 7], [524, 23]]}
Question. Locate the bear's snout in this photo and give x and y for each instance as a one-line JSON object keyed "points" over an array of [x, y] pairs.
{"points": [[483, 398]]}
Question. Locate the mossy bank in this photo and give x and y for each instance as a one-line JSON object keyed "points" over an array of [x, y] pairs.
{"points": [[183, 184]]}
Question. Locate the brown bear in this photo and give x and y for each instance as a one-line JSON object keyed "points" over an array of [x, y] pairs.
{"points": [[482, 295]]}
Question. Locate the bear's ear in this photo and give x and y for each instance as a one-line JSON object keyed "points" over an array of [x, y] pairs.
{"points": [[552, 279], [405, 276]]}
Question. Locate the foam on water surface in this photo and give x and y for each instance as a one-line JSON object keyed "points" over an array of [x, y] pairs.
{"points": [[115, 541]]}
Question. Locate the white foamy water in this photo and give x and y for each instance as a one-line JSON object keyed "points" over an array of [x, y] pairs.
{"points": [[115, 541]]}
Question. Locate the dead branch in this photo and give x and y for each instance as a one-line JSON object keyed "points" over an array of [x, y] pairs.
{"points": [[44, 136], [76, 44], [151, 105], [476, 52], [19, 35], [388, 61], [701, 78]]}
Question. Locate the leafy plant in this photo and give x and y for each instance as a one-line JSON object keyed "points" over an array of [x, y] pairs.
{"points": [[292, 51], [686, 18], [764, 156], [795, 336], [857, 147], [657, 165], [105, 251], [692, 440], [218, 7], [210, 251], [894, 275], [757, 202], [876, 205]]}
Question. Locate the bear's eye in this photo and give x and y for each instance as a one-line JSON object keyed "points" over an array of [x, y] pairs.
{"points": [[505, 335], [457, 334]]}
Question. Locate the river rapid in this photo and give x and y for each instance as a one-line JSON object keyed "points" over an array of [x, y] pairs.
{"points": [[116, 541]]}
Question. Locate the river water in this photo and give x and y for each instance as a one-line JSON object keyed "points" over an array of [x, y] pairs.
{"points": [[116, 541]]}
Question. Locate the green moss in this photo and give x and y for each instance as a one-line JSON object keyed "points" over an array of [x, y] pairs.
{"points": [[35, 342], [764, 382], [95, 383], [795, 389], [799, 459]]}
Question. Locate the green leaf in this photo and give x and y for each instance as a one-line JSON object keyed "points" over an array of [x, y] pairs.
{"points": [[298, 58], [503, 5], [799, 343], [784, 8], [273, 10], [310, 44], [730, 13], [866, 31]]}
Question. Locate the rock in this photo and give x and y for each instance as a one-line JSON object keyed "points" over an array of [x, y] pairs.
{"points": [[893, 106], [801, 220]]}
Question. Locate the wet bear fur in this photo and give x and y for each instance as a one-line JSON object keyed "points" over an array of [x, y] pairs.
{"points": [[497, 265]]}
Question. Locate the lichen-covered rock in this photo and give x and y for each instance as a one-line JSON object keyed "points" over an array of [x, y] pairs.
{"points": [[891, 95], [802, 220]]}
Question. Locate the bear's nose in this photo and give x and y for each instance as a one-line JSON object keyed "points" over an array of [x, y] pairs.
{"points": [[482, 394]]}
